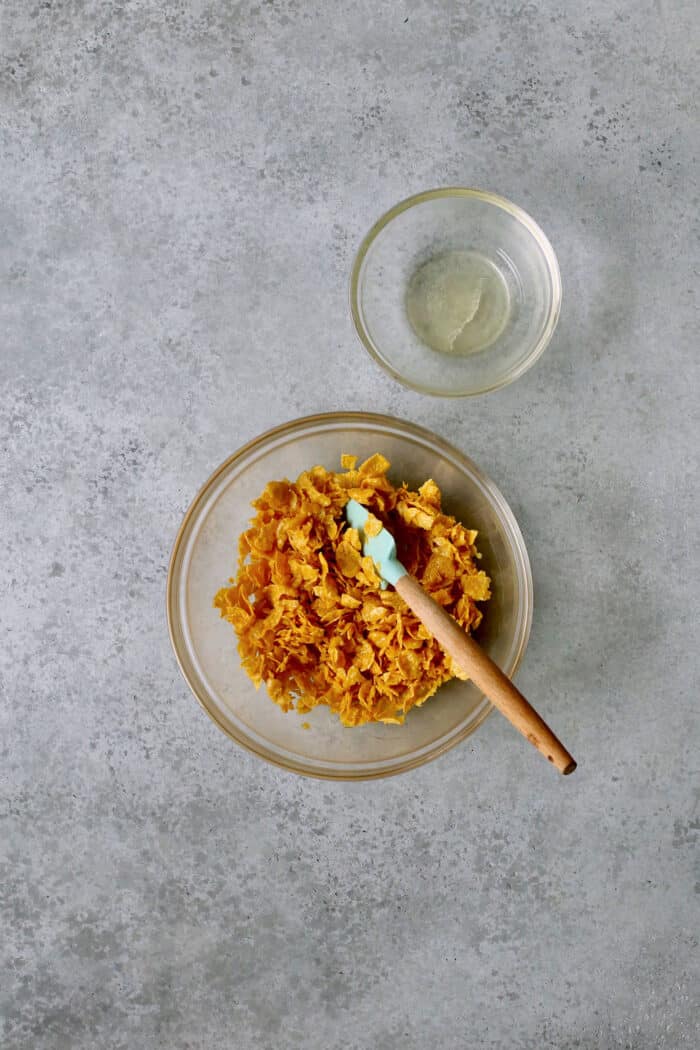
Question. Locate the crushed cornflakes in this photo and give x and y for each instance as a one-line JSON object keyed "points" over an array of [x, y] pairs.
{"points": [[311, 619]]}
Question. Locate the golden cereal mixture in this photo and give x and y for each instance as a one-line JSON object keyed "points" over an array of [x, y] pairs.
{"points": [[311, 620]]}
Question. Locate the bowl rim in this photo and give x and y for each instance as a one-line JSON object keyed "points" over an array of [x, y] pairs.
{"points": [[289, 428], [464, 192]]}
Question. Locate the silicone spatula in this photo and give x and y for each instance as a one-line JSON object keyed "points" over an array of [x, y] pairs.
{"points": [[466, 653]]}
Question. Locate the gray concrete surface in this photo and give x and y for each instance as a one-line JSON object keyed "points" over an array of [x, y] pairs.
{"points": [[183, 188]]}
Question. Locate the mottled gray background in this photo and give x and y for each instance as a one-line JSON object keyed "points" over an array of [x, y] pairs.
{"points": [[183, 188]]}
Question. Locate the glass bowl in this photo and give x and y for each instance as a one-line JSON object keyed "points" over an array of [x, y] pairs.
{"points": [[455, 292], [205, 554]]}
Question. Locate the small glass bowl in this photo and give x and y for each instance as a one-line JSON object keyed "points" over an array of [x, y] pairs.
{"points": [[205, 554], [444, 224]]}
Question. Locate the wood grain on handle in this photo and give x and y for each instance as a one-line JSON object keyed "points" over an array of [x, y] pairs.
{"points": [[472, 659]]}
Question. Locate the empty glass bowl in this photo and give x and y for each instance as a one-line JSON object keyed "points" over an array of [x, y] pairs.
{"points": [[455, 292], [205, 554]]}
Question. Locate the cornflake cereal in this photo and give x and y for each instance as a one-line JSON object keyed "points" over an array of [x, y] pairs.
{"points": [[311, 620]]}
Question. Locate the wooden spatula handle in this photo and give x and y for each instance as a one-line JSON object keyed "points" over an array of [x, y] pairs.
{"points": [[485, 674]]}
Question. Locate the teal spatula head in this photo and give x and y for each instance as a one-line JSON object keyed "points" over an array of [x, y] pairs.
{"points": [[380, 548]]}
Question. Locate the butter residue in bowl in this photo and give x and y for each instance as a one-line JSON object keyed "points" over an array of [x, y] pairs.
{"points": [[458, 302]]}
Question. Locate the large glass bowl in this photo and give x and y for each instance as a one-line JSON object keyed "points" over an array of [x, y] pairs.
{"points": [[513, 258], [204, 556]]}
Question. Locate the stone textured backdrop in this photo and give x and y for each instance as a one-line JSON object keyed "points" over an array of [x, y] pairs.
{"points": [[184, 185]]}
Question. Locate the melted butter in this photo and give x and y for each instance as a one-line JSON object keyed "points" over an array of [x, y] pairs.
{"points": [[458, 302]]}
